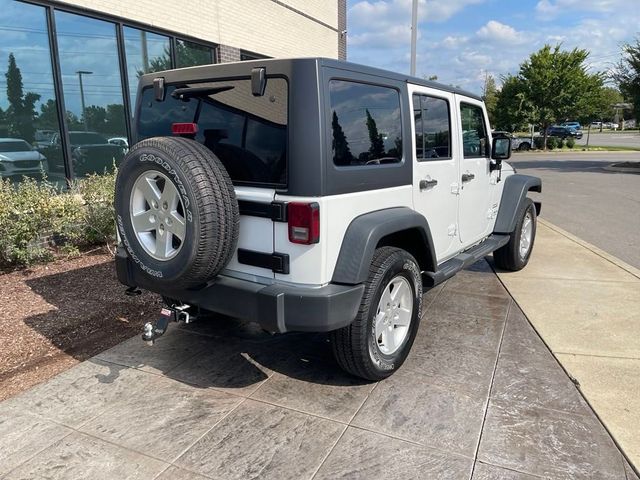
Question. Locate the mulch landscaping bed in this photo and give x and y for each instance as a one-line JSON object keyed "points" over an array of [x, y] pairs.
{"points": [[56, 315]]}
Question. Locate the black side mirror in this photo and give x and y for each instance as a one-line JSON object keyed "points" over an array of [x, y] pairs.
{"points": [[501, 148]]}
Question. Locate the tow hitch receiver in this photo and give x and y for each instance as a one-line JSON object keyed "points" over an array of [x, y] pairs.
{"points": [[176, 313]]}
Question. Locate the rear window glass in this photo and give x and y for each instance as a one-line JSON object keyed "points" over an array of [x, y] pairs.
{"points": [[365, 124], [248, 134]]}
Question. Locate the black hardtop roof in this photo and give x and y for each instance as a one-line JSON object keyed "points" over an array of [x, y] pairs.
{"points": [[332, 63]]}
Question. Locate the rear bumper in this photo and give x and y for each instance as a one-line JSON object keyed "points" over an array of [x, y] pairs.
{"points": [[277, 308]]}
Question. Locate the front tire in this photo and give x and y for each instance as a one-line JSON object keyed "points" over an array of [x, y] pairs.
{"points": [[515, 255], [378, 341]]}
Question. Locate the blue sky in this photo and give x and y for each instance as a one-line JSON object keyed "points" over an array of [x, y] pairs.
{"points": [[461, 40]]}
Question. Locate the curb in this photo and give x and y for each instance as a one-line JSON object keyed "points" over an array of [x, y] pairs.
{"points": [[601, 253]]}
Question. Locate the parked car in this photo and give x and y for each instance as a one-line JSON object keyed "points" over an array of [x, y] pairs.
{"points": [[610, 125], [572, 125], [90, 152], [18, 158], [269, 193], [563, 132], [522, 144], [120, 141]]}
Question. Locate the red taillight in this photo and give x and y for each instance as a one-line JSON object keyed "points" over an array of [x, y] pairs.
{"points": [[304, 222], [184, 128]]}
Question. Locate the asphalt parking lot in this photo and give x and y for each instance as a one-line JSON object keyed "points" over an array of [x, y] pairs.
{"points": [[480, 397]]}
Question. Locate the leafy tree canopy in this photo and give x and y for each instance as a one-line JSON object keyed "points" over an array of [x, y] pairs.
{"points": [[627, 74]]}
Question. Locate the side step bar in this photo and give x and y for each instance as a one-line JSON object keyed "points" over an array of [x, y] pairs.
{"points": [[452, 266]]}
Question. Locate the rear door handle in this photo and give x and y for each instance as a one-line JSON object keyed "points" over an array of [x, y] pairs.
{"points": [[467, 177], [428, 183]]}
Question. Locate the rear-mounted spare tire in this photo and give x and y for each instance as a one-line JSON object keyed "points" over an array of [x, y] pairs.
{"points": [[176, 211]]}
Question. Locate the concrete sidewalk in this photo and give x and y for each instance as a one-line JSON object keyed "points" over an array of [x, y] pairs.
{"points": [[585, 304]]}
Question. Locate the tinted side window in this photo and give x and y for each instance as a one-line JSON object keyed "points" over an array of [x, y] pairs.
{"points": [[365, 124], [474, 133], [433, 127], [247, 133]]}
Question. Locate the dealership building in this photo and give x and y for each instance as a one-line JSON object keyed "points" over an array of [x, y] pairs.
{"points": [[70, 69]]}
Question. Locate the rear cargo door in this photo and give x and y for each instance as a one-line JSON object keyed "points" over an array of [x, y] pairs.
{"points": [[249, 135]]}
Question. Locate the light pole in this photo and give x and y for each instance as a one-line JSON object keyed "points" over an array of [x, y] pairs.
{"points": [[414, 35], [84, 116]]}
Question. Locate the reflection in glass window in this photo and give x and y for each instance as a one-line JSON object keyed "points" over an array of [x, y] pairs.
{"points": [[474, 133], [247, 133], [432, 127], [92, 92], [28, 115], [365, 124], [146, 52], [190, 54]]}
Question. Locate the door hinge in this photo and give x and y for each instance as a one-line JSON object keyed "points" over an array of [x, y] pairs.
{"points": [[455, 188], [452, 230]]}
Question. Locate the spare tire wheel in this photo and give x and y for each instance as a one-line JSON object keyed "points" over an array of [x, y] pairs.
{"points": [[176, 211]]}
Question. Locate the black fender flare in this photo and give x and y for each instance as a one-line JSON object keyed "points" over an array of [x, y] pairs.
{"points": [[365, 232], [514, 192]]}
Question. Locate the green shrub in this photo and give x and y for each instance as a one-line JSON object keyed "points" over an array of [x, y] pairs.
{"points": [[552, 142], [77, 217], [560, 143], [571, 142], [538, 142]]}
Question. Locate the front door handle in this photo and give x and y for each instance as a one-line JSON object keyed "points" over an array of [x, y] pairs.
{"points": [[467, 177], [428, 183]]}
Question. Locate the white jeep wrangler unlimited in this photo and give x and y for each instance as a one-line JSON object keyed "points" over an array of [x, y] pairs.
{"points": [[314, 195]]}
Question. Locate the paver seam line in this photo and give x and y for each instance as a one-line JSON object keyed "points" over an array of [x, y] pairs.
{"points": [[412, 442], [573, 379], [510, 469], [185, 450], [162, 471], [328, 453], [488, 399], [40, 451], [601, 253], [614, 357]]}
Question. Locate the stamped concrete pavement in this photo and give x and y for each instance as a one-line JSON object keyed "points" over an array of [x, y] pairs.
{"points": [[585, 304], [480, 397]]}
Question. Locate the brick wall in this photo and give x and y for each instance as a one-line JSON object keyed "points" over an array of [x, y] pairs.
{"points": [[277, 28], [228, 54], [342, 29]]}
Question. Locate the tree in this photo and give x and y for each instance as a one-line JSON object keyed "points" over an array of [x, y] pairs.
{"points": [[627, 74], [340, 145], [376, 150], [115, 119], [21, 114], [94, 117], [604, 110], [509, 113], [48, 118], [490, 97], [556, 86]]}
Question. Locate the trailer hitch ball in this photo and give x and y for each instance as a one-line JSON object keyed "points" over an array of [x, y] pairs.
{"points": [[148, 335]]}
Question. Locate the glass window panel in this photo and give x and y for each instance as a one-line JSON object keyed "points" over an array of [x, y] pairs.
{"points": [[92, 92], [474, 132], [28, 111], [146, 52], [433, 127], [247, 133], [190, 54], [366, 124]]}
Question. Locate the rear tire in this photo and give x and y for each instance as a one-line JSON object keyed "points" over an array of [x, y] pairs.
{"points": [[378, 342], [515, 255]]}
